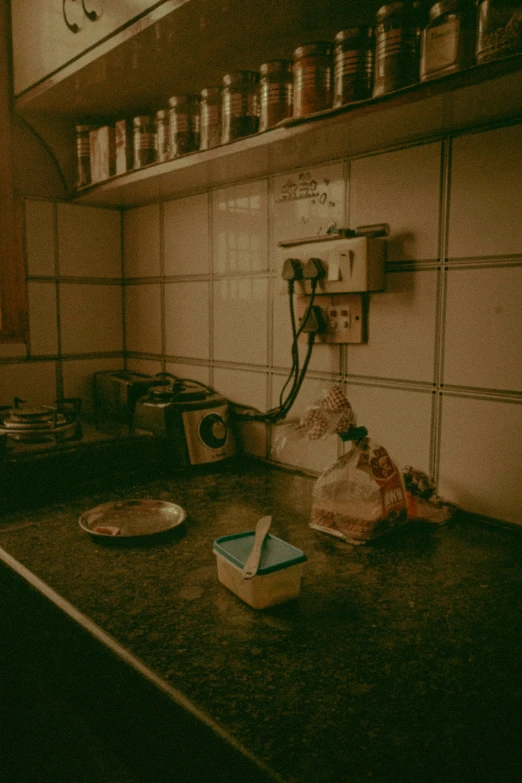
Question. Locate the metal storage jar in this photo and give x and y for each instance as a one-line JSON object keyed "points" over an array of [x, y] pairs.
{"points": [[240, 111], [353, 65], [312, 78], [499, 29], [275, 93], [448, 42], [183, 124], [396, 54], [210, 118]]}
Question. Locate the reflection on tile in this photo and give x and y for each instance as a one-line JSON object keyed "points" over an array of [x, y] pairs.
{"points": [[240, 228], [325, 358], [186, 236], [90, 318], [483, 344], [308, 202], [401, 325], [246, 388], [39, 237], [195, 372], [32, 381], [43, 324], [89, 241], [141, 241], [400, 188], [397, 419], [486, 198], [481, 442], [78, 382], [187, 319], [309, 455], [241, 320], [143, 318]]}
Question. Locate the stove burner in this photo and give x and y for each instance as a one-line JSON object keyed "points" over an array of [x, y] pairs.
{"points": [[24, 423]]}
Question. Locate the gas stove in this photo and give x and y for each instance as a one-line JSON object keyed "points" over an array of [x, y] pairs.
{"points": [[29, 427]]}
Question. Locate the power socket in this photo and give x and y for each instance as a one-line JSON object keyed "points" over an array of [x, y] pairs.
{"points": [[345, 316]]}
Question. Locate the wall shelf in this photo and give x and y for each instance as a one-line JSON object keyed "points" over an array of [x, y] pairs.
{"points": [[423, 111], [136, 71]]}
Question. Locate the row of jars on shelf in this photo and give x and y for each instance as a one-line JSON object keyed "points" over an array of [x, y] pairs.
{"points": [[361, 63]]}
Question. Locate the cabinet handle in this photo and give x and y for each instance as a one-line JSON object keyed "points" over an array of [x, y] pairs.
{"points": [[73, 26], [94, 13]]}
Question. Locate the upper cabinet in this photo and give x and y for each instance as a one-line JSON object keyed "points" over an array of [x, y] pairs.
{"points": [[50, 34]]}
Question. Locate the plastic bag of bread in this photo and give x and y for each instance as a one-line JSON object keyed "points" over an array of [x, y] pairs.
{"points": [[361, 496]]}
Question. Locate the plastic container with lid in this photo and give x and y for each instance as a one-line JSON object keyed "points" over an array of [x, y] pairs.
{"points": [[278, 578], [448, 41], [240, 110], [353, 65], [275, 93], [210, 118], [183, 124], [312, 69], [499, 29], [396, 51]]}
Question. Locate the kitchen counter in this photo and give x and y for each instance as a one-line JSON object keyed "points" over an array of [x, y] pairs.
{"points": [[400, 661]]}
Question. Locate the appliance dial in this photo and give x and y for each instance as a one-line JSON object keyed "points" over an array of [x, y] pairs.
{"points": [[213, 431]]}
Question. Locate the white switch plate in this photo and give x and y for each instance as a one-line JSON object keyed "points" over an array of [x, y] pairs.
{"points": [[351, 265], [346, 317]]}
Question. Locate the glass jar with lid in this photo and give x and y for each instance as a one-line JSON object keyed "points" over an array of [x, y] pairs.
{"points": [[448, 41], [275, 93], [353, 65], [240, 108], [183, 124], [312, 78], [396, 51], [499, 29], [144, 140], [210, 118]]}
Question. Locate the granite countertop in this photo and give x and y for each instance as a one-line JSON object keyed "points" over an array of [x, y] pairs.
{"points": [[399, 661]]}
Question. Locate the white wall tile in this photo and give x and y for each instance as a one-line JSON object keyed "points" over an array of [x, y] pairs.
{"points": [[241, 320], [39, 237], [400, 188], [307, 202], [398, 419], [309, 455], [194, 372], [78, 379], [43, 323], [187, 319], [186, 235], [486, 197], [483, 344], [325, 358], [481, 443], [247, 388], [240, 228], [145, 366], [401, 326], [34, 382], [90, 318], [143, 318], [141, 241], [89, 241], [397, 124]]}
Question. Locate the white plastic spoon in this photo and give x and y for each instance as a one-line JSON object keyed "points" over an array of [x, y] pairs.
{"points": [[252, 563]]}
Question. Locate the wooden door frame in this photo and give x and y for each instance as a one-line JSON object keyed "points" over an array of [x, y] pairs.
{"points": [[13, 286]]}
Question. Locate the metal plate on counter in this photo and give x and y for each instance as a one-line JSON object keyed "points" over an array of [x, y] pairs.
{"points": [[130, 518]]}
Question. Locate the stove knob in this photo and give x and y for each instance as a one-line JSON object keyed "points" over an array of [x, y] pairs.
{"points": [[213, 431]]}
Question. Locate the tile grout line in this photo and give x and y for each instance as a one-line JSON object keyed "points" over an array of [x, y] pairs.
{"points": [[162, 286], [211, 288], [438, 369], [59, 363], [123, 289]]}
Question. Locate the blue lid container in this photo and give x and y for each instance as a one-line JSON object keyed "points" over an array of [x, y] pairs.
{"points": [[276, 554]]}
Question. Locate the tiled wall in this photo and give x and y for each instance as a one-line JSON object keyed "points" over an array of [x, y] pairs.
{"points": [[439, 382], [74, 274]]}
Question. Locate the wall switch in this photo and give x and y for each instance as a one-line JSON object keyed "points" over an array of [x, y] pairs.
{"points": [[345, 317], [351, 265]]}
